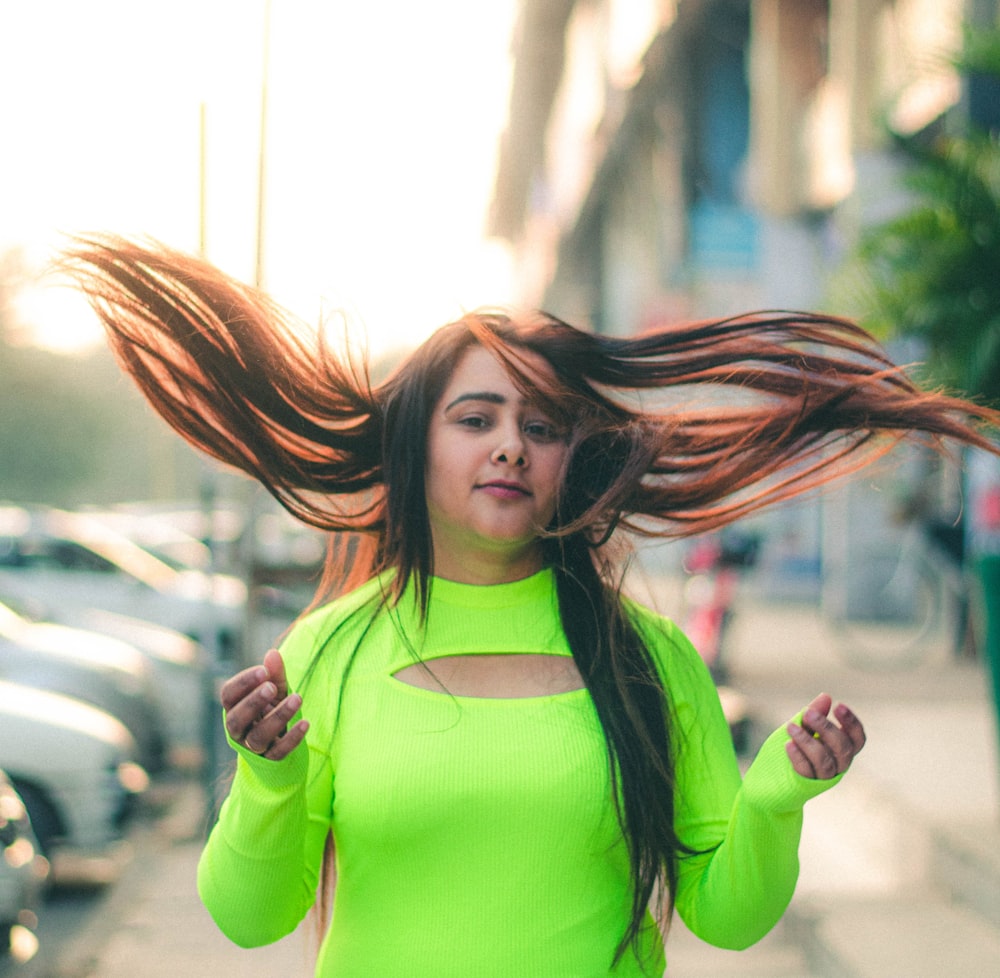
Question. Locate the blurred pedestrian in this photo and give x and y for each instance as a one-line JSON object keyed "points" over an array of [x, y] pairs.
{"points": [[494, 760]]}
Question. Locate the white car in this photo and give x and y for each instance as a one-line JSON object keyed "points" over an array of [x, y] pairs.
{"points": [[23, 872], [183, 682], [58, 564], [73, 765], [102, 671]]}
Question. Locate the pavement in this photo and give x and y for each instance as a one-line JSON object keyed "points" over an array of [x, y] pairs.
{"points": [[900, 863]]}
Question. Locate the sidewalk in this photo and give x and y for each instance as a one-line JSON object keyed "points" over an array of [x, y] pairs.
{"points": [[901, 863]]}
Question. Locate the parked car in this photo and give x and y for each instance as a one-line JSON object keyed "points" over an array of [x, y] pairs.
{"points": [[75, 767], [60, 563], [23, 873], [102, 671], [182, 680], [278, 556], [177, 532]]}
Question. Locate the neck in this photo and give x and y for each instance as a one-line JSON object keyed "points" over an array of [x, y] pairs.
{"points": [[487, 568]]}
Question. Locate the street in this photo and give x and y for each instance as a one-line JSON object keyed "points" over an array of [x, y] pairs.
{"points": [[81, 913]]}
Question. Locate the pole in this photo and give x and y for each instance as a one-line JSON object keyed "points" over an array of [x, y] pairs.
{"points": [[248, 550], [208, 492], [262, 148]]}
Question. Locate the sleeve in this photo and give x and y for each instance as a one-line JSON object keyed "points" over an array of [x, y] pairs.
{"points": [[745, 832], [260, 868]]}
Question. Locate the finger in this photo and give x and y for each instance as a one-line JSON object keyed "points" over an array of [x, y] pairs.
{"points": [[287, 742], [266, 729], [800, 763], [821, 759], [275, 667], [820, 748], [852, 726], [821, 704], [840, 741], [241, 685], [831, 737], [249, 710]]}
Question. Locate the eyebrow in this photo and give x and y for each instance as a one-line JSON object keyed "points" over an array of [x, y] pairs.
{"points": [[490, 397]]}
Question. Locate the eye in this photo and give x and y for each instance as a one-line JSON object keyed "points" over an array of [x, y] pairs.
{"points": [[542, 430], [473, 421]]}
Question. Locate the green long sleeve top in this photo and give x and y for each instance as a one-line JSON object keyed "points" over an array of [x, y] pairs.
{"points": [[477, 837]]}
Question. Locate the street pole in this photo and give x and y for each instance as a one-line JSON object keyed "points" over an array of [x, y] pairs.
{"points": [[208, 493], [248, 550]]}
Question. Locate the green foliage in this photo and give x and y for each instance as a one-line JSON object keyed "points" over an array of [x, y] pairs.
{"points": [[934, 271], [980, 52]]}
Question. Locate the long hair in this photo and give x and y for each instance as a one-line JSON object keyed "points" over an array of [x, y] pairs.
{"points": [[673, 433]]}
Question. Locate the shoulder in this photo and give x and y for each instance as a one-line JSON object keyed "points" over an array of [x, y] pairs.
{"points": [[339, 624], [679, 664], [662, 635]]}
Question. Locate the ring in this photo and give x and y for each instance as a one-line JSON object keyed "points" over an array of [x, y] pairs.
{"points": [[248, 746]]}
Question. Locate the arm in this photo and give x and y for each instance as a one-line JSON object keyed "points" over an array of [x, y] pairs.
{"points": [[737, 887], [734, 894], [260, 868]]}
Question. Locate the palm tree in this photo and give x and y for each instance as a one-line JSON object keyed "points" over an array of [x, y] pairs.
{"points": [[933, 272]]}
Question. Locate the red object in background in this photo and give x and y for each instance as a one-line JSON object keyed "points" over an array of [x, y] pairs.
{"points": [[708, 598], [714, 564], [988, 515]]}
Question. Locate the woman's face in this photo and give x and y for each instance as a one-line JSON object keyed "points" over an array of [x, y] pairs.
{"points": [[492, 480]]}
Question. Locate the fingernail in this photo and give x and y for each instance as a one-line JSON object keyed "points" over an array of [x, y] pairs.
{"points": [[260, 674], [269, 689], [811, 716]]}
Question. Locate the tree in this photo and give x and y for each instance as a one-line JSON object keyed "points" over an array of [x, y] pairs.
{"points": [[933, 272]]}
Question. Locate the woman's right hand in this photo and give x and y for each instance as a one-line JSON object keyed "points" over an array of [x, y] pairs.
{"points": [[259, 709]]}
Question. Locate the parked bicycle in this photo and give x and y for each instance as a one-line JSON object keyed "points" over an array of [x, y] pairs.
{"points": [[915, 597]]}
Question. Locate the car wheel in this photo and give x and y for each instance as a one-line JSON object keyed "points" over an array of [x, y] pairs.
{"points": [[45, 820]]}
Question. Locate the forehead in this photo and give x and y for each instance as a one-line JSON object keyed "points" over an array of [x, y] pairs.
{"points": [[479, 370]]}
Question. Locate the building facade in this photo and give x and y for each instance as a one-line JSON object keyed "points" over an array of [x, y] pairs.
{"points": [[700, 157], [669, 160]]}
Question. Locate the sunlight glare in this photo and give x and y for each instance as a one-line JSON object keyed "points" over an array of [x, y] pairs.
{"points": [[382, 131]]}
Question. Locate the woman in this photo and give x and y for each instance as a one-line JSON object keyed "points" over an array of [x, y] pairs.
{"points": [[507, 760]]}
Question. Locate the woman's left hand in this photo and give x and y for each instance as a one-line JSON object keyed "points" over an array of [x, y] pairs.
{"points": [[824, 746]]}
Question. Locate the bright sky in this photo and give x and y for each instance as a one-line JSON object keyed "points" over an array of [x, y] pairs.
{"points": [[382, 131]]}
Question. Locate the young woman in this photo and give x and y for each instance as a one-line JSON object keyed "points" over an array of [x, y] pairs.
{"points": [[500, 764]]}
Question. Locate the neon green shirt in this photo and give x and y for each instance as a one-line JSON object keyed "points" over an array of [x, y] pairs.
{"points": [[476, 837]]}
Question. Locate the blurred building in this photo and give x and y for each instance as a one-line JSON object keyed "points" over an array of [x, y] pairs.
{"points": [[707, 156], [669, 160]]}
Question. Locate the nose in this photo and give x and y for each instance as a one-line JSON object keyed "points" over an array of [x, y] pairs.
{"points": [[510, 449]]}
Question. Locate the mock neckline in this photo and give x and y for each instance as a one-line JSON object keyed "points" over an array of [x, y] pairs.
{"points": [[482, 596]]}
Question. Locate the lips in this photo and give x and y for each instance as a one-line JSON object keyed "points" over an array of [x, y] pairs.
{"points": [[505, 490]]}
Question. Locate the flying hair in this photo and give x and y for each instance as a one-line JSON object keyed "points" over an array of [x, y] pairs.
{"points": [[804, 397]]}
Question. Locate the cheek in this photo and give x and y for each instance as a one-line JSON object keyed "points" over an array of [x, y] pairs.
{"points": [[442, 472], [440, 464]]}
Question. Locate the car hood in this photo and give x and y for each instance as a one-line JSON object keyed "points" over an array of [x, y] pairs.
{"points": [[75, 645], [28, 709]]}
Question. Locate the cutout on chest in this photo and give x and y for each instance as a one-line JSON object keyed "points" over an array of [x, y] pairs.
{"points": [[495, 675]]}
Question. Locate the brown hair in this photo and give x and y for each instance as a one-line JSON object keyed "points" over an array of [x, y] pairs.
{"points": [[675, 432]]}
